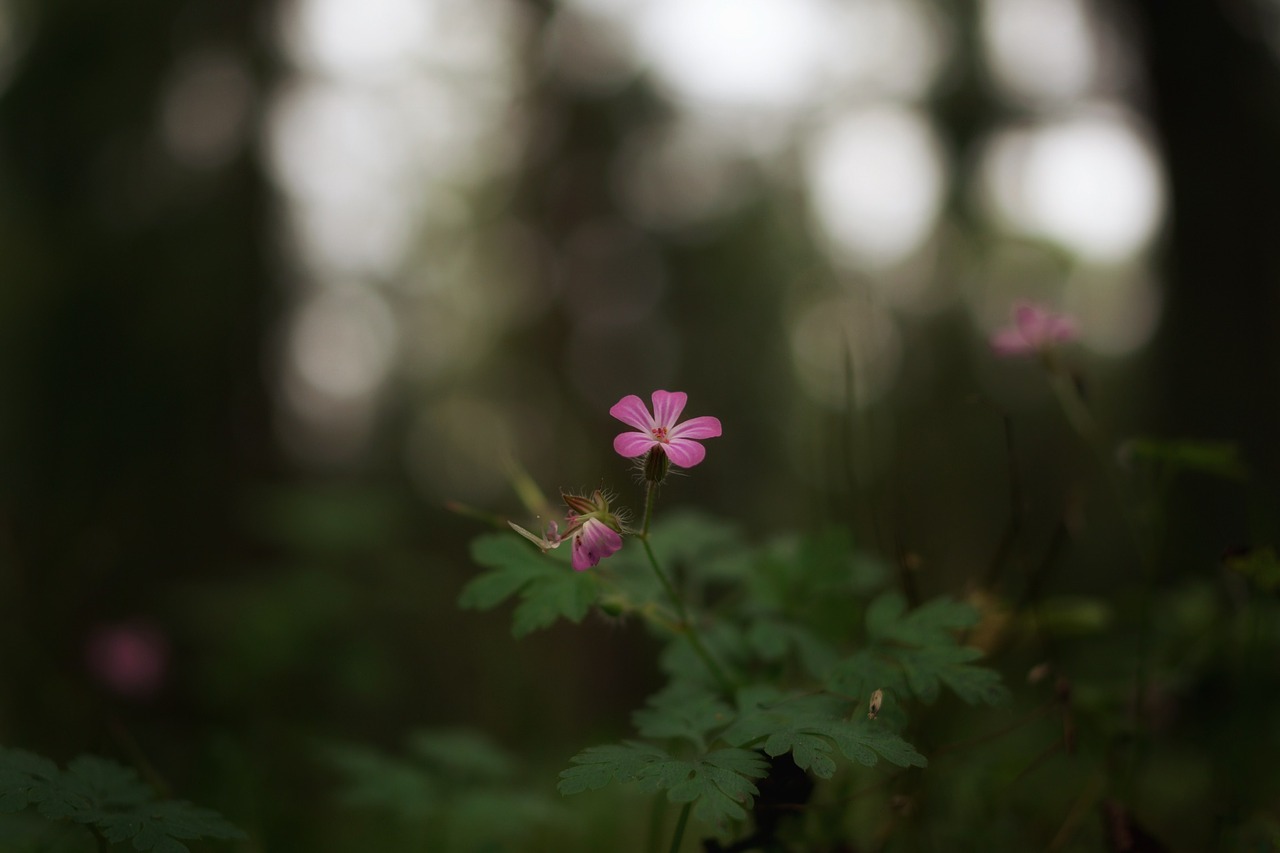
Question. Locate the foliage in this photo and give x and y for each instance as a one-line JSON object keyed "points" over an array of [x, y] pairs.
{"points": [[781, 618], [455, 780], [106, 797]]}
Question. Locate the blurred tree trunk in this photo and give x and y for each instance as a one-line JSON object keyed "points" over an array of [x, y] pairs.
{"points": [[135, 301], [1215, 102]]}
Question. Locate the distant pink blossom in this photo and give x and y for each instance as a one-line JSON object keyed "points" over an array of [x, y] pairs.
{"points": [[1035, 329], [594, 541], [129, 659], [678, 440]]}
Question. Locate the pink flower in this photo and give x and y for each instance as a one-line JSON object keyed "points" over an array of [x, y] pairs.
{"points": [[678, 441], [1035, 329], [129, 659], [594, 541]]}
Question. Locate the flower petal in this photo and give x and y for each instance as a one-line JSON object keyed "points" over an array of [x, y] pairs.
{"points": [[1030, 320], [684, 452], [631, 444], [667, 406], [703, 427], [593, 543], [1011, 342], [1060, 327], [632, 412]]}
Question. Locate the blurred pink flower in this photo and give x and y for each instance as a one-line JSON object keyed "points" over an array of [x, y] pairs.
{"points": [[678, 441], [1035, 329], [129, 659], [594, 541]]}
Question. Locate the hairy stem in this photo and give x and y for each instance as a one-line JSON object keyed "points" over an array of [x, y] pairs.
{"points": [[687, 626], [678, 836]]}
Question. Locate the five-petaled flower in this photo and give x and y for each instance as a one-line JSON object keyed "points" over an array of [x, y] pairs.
{"points": [[1035, 329], [679, 441], [593, 529]]}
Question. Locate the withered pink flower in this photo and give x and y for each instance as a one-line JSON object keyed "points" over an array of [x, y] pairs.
{"points": [[679, 441], [592, 527], [1035, 329], [594, 541]]}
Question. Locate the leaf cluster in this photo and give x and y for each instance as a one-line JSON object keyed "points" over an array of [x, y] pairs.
{"points": [[107, 797], [804, 622], [455, 781]]}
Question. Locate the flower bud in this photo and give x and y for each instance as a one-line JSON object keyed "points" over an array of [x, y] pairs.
{"points": [[656, 465]]}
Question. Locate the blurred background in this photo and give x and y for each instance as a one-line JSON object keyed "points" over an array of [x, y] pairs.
{"points": [[283, 277]]}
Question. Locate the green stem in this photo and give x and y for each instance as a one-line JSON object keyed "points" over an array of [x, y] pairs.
{"points": [[682, 612], [1083, 422], [103, 844], [679, 833]]}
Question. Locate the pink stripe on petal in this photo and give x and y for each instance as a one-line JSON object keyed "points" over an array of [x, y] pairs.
{"points": [[703, 427], [632, 412], [667, 406], [685, 453], [631, 444]]}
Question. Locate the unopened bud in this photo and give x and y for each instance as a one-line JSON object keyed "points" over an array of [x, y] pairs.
{"points": [[877, 699], [656, 465]]}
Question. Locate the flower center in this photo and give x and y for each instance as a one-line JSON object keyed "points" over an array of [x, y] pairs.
{"points": [[660, 434]]}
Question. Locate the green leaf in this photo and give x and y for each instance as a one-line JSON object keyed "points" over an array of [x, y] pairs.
{"points": [[515, 564], [158, 826], [917, 652], [597, 766], [461, 754], [718, 783], [107, 795], [772, 638], [683, 710], [811, 727], [549, 589]]}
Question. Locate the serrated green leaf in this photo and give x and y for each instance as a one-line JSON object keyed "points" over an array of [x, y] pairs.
{"points": [[810, 727], [158, 826], [917, 652], [514, 563], [24, 776], [565, 595], [113, 785], [597, 766], [108, 795], [717, 783], [683, 710]]}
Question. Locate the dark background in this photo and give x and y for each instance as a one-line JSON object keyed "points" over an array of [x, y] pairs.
{"points": [[297, 557]]}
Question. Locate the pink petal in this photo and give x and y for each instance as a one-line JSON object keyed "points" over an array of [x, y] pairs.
{"points": [[703, 427], [667, 406], [595, 541], [1060, 327], [1011, 342], [1030, 320], [632, 412], [631, 444], [684, 452]]}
